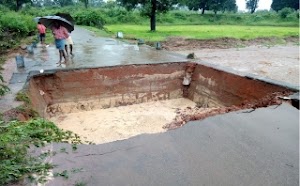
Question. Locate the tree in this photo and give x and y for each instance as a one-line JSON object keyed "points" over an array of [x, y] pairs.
{"points": [[14, 4], [65, 2], [251, 5], [96, 2], [214, 5], [196, 4], [86, 2], [110, 4], [149, 8], [230, 5], [280, 4]]}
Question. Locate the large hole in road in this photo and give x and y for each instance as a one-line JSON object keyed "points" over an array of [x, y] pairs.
{"points": [[113, 103]]}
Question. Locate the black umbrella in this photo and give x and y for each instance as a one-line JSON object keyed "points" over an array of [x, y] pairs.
{"points": [[66, 16], [49, 21]]}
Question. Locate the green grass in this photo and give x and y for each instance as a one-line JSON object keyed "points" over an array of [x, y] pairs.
{"points": [[202, 31]]}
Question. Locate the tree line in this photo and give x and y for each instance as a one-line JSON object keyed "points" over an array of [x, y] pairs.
{"points": [[150, 8], [161, 5]]}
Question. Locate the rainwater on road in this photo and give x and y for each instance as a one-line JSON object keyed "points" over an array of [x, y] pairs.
{"points": [[93, 51]]}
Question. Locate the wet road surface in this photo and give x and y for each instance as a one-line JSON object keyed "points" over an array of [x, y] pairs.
{"points": [[93, 51], [89, 51]]}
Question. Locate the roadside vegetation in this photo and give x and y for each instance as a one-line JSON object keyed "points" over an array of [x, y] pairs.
{"points": [[284, 23], [17, 137], [21, 130], [192, 24], [106, 19]]}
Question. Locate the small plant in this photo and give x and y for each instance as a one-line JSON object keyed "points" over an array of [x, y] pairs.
{"points": [[22, 96], [63, 174], [90, 18], [2, 61], [74, 147], [285, 12], [27, 111], [80, 183], [3, 88], [191, 56], [74, 170], [63, 150]]}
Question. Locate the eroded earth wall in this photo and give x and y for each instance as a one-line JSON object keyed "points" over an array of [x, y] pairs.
{"points": [[87, 89], [211, 87]]}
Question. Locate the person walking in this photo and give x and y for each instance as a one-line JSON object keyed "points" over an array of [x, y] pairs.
{"points": [[60, 34], [42, 33]]}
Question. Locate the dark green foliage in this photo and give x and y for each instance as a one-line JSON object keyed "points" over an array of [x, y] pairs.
{"points": [[280, 4], [213, 5], [216, 5], [14, 4], [120, 15], [14, 26], [89, 18], [149, 8], [283, 13], [230, 5], [198, 4], [251, 5]]}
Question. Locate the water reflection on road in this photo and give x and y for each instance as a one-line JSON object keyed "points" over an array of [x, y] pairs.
{"points": [[91, 51]]}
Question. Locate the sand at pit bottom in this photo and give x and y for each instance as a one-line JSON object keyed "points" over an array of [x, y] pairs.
{"points": [[107, 125]]}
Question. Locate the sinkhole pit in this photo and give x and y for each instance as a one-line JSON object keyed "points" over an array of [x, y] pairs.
{"points": [[106, 104]]}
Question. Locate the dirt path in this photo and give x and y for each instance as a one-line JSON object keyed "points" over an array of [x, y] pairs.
{"points": [[260, 57]]}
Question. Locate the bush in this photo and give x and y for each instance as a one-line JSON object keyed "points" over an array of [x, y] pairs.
{"points": [[19, 25], [285, 12], [89, 18], [3, 9], [3, 88], [14, 26], [121, 15]]}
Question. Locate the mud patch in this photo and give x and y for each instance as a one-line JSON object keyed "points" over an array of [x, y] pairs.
{"points": [[181, 44], [119, 123]]}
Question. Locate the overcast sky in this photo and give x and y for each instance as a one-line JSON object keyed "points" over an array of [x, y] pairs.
{"points": [[262, 5]]}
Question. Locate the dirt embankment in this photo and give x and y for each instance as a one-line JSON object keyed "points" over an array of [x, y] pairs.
{"points": [[272, 58], [180, 43]]}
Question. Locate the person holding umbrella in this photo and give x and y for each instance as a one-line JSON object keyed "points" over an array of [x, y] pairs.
{"points": [[69, 41], [60, 34], [60, 28]]}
